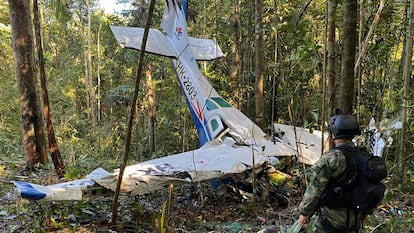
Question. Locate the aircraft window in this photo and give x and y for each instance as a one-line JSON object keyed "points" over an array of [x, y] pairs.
{"points": [[210, 105], [214, 124], [221, 102]]}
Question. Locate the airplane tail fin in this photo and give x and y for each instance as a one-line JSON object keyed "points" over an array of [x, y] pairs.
{"points": [[174, 25], [184, 7]]}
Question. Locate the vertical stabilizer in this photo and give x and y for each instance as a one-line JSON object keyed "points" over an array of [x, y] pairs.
{"points": [[174, 25]]}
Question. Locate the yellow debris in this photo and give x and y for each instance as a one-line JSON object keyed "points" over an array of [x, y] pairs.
{"points": [[277, 177]]}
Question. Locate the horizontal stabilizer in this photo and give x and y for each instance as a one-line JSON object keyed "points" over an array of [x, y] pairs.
{"points": [[158, 44], [27, 191], [82, 189], [131, 38], [205, 49]]}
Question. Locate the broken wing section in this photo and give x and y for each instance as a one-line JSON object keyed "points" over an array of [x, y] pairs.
{"points": [[209, 162], [308, 145], [82, 189]]}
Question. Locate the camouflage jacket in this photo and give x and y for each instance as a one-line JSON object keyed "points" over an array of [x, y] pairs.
{"points": [[330, 165]]}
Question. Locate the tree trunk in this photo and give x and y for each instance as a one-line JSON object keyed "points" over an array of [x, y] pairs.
{"points": [[20, 20], [331, 63], [98, 75], [53, 147], [407, 69], [357, 71], [332, 57], [348, 56], [141, 12], [151, 109], [89, 77], [259, 63], [276, 67], [235, 73]]}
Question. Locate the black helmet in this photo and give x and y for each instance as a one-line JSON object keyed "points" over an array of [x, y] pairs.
{"points": [[344, 126]]}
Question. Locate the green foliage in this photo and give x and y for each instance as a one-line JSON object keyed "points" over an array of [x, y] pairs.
{"points": [[162, 221], [10, 123], [394, 221], [54, 217]]}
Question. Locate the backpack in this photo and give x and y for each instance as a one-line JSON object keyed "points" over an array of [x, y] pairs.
{"points": [[360, 186]]}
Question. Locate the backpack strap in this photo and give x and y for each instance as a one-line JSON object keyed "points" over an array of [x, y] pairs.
{"points": [[348, 174], [350, 153]]}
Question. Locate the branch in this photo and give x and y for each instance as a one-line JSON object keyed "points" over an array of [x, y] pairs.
{"points": [[371, 30], [303, 11]]}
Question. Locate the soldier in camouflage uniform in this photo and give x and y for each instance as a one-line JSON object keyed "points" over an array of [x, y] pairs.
{"points": [[343, 128]]}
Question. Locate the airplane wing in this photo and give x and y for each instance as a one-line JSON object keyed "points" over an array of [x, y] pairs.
{"points": [[209, 162], [158, 44], [308, 145], [212, 161]]}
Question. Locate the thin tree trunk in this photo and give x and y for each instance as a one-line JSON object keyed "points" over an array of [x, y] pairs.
{"points": [[364, 46], [248, 57], [20, 20], [348, 55], [151, 108], [331, 61], [276, 71], [141, 11], [99, 107], [357, 71], [407, 69], [91, 92], [131, 114], [324, 76], [259, 63], [53, 146], [332, 56], [235, 73]]}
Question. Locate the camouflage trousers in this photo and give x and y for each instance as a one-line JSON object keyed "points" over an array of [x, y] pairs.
{"points": [[323, 226]]}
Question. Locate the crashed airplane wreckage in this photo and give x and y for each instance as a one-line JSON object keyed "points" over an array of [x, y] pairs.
{"points": [[230, 141]]}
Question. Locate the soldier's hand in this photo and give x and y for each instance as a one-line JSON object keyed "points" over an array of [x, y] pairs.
{"points": [[304, 220]]}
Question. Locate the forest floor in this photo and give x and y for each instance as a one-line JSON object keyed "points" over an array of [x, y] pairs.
{"points": [[188, 208]]}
